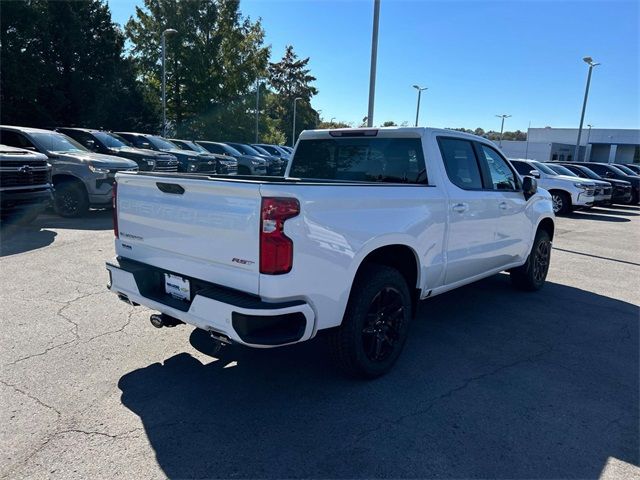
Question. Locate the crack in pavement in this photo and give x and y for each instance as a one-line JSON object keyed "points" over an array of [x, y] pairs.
{"points": [[58, 433], [360, 436], [32, 397], [73, 330]]}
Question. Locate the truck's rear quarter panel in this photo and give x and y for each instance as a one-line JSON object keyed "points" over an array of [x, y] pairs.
{"points": [[339, 225]]}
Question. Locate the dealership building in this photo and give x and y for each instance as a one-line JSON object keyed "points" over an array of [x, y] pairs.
{"points": [[558, 144]]}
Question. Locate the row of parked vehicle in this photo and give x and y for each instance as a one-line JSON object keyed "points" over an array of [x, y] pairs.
{"points": [[575, 185], [74, 168]]}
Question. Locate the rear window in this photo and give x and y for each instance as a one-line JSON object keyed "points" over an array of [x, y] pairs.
{"points": [[386, 160]]}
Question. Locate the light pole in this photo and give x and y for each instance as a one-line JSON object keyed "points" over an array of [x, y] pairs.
{"points": [[503, 116], [332, 119], [589, 132], [293, 135], [164, 80], [257, 107], [420, 89], [374, 59], [591, 63]]}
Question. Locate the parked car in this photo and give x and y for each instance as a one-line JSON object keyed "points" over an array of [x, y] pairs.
{"points": [[226, 164], [567, 193], [288, 149], [25, 184], [603, 193], [81, 178], [621, 188], [274, 164], [608, 171], [100, 141], [275, 150], [277, 162], [635, 167], [247, 164], [188, 162], [364, 226]]}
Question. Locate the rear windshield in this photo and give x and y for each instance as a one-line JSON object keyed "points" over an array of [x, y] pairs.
{"points": [[393, 160]]}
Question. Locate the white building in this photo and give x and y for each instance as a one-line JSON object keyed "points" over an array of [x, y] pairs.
{"points": [[596, 145]]}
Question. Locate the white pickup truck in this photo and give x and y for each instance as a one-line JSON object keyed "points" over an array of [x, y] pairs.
{"points": [[365, 223]]}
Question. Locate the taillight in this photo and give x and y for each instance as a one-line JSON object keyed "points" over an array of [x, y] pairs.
{"points": [[114, 194], [276, 249]]}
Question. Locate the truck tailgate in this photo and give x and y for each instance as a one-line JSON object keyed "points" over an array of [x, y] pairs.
{"points": [[201, 228]]}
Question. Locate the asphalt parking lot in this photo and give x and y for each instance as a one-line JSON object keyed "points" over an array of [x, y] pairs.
{"points": [[493, 383]]}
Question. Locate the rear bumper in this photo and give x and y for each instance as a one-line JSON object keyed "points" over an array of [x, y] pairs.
{"points": [[243, 318]]}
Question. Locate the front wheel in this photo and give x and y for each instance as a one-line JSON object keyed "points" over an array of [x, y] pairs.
{"points": [[532, 275], [561, 202], [375, 325], [70, 200]]}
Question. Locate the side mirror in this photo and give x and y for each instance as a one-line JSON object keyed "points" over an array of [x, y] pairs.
{"points": [[608, 174], [534, 173], [529, 187]]}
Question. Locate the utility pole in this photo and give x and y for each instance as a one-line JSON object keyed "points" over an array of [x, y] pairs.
{"points": [[293, 135], [164, 80], [503, 116], [374, 60], [591, 63], [257, 108], [420, 89]]}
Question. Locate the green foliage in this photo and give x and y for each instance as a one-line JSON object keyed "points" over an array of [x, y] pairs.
{"points": [[330, 125], [290, 79], [212, 64], [493, 135], [389, 123], [62, 64]]}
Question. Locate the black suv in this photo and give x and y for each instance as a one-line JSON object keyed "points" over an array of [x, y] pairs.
{"points": [[25, 184], [621, 188], [188, 162], [100, 141], [608, 171], [226, 164]]}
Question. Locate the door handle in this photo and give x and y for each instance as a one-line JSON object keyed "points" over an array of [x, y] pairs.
{"points": [[503, 205], [460, 207]]}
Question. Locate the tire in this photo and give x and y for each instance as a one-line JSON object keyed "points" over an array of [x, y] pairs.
{"points": [[532, 275], [561, 202], [70, 200], [366, 345]]}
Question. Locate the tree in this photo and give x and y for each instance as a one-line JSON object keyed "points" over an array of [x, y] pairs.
{"points": [[389, 123], [62, 64], [290, 78], [212, 64]]}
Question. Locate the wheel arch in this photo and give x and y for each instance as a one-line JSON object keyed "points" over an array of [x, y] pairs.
{"points": [[548, 225], [65, 177], [400, 256]]}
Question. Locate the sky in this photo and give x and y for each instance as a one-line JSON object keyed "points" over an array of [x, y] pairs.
{"points": [[478, 59]]}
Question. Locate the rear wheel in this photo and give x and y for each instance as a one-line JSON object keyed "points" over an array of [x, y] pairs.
{"points": [[561, 202], [532, 275], [375, 325], [70, 199]]}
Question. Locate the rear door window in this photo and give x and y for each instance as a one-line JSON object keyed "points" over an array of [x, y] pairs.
{"points": [[386, 160], [461, 163]]}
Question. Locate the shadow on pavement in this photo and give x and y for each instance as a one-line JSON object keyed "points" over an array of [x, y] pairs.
{"points": [[492, 383], [588, 215], [16, 238], [613, 211]]}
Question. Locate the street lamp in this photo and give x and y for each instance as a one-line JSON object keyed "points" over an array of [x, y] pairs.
{"points": [[257, 107], [503, 116], [589, 132], [420, 89], [293, 135], [332, 119], [164, 80], [589, 61]]}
